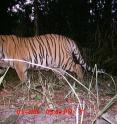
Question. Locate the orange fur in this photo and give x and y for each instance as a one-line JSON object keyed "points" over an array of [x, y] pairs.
{"points": [[50, 50]]}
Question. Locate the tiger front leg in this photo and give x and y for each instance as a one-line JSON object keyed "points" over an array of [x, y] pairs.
{"points": [[21, 71]]}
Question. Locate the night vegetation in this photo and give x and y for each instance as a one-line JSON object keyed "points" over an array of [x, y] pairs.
{"points": [[92, 24]]}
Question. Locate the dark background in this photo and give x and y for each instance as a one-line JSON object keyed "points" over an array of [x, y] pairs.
{"points": [[91, 23]]}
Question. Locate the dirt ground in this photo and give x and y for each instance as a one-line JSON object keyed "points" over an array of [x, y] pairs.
{"points": [[49, 104]]}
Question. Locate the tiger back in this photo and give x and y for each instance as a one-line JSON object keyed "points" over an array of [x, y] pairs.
{"points": [[50, 50]]}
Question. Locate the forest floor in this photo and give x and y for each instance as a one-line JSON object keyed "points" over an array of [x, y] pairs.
{"points": [[48, 100]]}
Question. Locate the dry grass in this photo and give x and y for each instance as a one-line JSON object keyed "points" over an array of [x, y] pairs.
{"points": [[87, 99]]}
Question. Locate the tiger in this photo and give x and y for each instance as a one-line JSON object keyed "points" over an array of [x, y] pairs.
{"points": [[50, 50]]}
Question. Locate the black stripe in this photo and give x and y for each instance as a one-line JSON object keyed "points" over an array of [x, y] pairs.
{"points": [[68, 42], [63, 55], [51, 39], [68, 61], [33, 50], [26, 46], [59, 54], [54, 41], [40, 47], [11, 36], [40, 41], [44, 47], [48, 45], [46, 59], [70, 65]]}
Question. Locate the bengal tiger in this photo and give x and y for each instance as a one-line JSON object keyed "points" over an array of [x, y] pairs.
{"points": [[51, 50]]}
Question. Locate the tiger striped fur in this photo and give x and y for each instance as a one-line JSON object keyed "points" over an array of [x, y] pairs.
{"points": [[49, 50]]}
